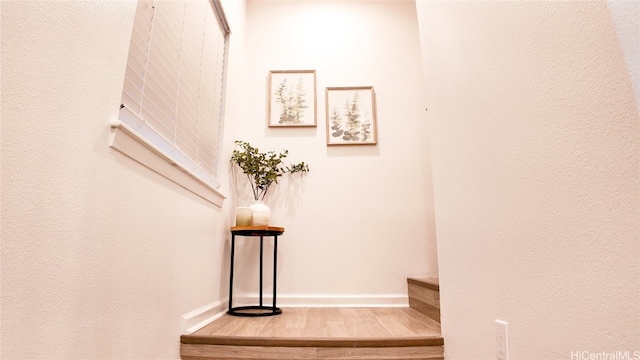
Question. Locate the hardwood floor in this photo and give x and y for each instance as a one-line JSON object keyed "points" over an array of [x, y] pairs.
{"points": [[319, 333]]}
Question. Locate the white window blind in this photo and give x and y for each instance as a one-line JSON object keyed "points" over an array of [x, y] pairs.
{"points": [[173, 89]]}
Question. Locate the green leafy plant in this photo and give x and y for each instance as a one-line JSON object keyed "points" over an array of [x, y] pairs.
{"points": [[263, 168]]}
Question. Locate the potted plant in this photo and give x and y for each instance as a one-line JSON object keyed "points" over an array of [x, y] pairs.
{"points": [[263, 169]]}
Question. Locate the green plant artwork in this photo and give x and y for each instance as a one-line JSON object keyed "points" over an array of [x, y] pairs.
{"points": [[336, 123], [292, 102], [352, 123], [292, 98]]}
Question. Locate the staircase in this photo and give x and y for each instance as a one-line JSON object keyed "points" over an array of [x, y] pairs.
{"points": [[424, 297], [376, 333]]}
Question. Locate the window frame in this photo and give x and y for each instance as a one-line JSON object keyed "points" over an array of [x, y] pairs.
{"points": [[143, 145]]}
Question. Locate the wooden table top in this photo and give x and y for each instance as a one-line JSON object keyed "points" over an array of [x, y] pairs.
{"points": [[257, 229]]}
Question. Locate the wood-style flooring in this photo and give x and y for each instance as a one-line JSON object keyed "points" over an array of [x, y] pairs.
{"points": [[319, 333]]}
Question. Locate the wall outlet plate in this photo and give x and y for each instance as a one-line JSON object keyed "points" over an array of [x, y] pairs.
{"points": [[502, 340]]}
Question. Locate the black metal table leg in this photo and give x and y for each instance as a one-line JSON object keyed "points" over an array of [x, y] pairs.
{"points": [[261, 241], [261, 309], [233, 247], [275, 268]]}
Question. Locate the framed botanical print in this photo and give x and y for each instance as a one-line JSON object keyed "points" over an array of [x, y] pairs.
{"points": [[351, 116], [292, 98]]}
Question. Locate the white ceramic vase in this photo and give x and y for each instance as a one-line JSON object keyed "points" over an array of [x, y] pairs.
{"points": [[260, 213]]}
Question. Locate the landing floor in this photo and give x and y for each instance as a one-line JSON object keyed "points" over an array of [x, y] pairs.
{"points": [[339, 326]]}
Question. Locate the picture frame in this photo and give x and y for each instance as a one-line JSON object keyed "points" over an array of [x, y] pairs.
{"points": [[292, 98], [351, 115]]}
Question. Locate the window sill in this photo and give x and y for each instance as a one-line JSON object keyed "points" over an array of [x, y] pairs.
{"points": [[125, 140]]}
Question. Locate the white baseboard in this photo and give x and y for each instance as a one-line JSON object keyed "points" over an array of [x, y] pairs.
{"points": [[319, 300], [197, 319]]}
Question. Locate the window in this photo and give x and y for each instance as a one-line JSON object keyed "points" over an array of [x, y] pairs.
{"points": [[172, 98]]}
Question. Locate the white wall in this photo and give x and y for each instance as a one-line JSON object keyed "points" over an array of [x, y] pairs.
{"points": [[535, 150], [100, 256], [361, 221]]}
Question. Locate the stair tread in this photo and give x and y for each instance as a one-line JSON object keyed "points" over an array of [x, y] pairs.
{"points": [[323, 327]]}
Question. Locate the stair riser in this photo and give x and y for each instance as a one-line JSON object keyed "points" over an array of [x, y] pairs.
{"points": [[427, 296], [223, 352], [426, 309], [424, 297]]}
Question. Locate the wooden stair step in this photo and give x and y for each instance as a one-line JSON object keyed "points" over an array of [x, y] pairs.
{"points": [[319, 333], [312, 342], [424, 296], [219, 352]]}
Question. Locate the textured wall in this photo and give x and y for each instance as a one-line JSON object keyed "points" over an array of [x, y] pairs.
{"points": [[100, 256], [362, 220], [535, 150]]}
